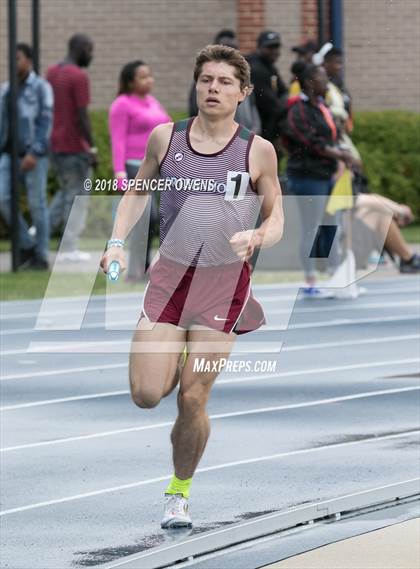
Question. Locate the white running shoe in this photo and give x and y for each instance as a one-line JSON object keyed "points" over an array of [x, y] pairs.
{"points": [[74, 256], [176, 512]]}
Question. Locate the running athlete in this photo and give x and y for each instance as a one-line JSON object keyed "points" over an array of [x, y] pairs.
{"points": [[216, 178]]}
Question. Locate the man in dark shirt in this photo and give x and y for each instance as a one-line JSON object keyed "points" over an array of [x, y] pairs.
{"points": [[270, 90], [73, 151]]}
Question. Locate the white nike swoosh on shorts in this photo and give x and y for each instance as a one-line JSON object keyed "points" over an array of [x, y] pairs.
{"points": [[220, 319]]}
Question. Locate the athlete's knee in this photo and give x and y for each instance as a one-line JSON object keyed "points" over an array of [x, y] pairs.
{"points": [[193, 401], [144, 399], [145, 402]]}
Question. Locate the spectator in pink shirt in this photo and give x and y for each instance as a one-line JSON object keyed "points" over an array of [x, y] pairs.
{"points": [[132, 117]]}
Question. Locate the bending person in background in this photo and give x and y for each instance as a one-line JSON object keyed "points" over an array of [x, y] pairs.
{"points": [[312, 162], [132, 117], [377, 220], [373, 230]]}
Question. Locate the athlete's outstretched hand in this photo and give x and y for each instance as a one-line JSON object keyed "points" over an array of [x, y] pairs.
{"points": [[114, 254], [243, 244]]}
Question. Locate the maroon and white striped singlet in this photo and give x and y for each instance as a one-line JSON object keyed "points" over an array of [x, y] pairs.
{"points": [[207, 199]]}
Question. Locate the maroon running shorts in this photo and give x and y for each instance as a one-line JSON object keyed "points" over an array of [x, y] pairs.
{"points": [[219, 298]]}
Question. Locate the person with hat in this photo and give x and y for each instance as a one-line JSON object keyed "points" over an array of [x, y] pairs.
{"points": [[304, 52], [270, 90]]}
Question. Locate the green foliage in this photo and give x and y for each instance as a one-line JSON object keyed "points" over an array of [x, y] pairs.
{"points": [[99, 121], [389, 142]]}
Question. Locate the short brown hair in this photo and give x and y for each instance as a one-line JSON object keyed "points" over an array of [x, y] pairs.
{"points": [[230, 56]]}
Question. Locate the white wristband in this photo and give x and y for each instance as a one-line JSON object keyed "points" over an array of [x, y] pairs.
{"points": [[115, 243]]}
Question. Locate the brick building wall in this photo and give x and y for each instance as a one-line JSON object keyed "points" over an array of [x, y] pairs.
{"points": [[309, 18], [285, 17], [382, 45], [251, 20], [164, 33], [381, 41]]}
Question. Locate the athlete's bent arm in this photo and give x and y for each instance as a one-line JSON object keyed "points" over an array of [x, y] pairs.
{"points": [[263, 170], [135, 199], [268, 187]]}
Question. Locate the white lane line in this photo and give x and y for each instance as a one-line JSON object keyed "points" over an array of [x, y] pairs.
{"points": [[339, 322], [127, 297], [122, 325], [101, 309], [403, 303], [138, 483], [106, 345], [62, 371], [123, 347], [55, 313], [64, 400], [223, 381], [369, 292], [323, 345], [216, 416], [346, 321], [105, 309], [129, 325], [320, 370], [371, 285], [30, 375], [59, 300], [273, 298]]}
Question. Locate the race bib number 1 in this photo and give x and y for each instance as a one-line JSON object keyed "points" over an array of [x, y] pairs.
{"points": [[236, 185]]}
